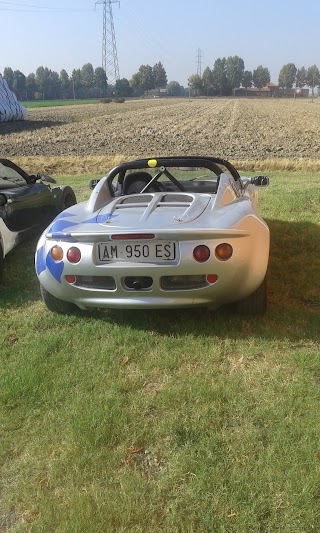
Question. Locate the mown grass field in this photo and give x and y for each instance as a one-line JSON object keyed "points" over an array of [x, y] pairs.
{"points": [[175, 421], [55, 103]]}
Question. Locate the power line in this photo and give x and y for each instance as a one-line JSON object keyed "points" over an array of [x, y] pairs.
{"points": [[40, 7]]}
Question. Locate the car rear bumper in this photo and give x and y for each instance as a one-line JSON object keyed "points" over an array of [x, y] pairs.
{"points": [[179, 292], [107, 285]]}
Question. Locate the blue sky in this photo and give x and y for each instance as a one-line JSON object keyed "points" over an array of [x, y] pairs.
{"points": [[68, 34]]}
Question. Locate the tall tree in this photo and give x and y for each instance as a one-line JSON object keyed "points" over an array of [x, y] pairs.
{"points": [[8, 76], [54, 89], [100, 80], [313, 77], [195, 83], [146, 77], [246, 81], [64, 83], [19, 84], [122, 87], [87, 75], [31, 85], [136, 85], [287, 76], [301, 77], [43, 80], [261, 76], [220, 80], [234, 71], [174, 89], [76, 81], [207, 81], [159, 75]]}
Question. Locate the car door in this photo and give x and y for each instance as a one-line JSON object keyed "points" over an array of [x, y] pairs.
{"points": [[24, 205], [29, 206]]}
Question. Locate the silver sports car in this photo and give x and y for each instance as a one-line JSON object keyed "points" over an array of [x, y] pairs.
{"points": [[159, 233]]}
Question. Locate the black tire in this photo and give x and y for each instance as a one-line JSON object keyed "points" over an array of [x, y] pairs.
{"points": [[54, 304], [256, 303], [68, 198]]}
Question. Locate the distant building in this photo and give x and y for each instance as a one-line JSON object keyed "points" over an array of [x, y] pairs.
{"points": [[156, 93], [271, 90]]}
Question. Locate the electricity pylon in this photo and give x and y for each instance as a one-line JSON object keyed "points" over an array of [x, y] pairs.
{"points": [[199, 62], [109, 47]]}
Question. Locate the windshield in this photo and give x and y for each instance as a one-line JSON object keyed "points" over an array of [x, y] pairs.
{"points": [[7, 172], [9, 177]]}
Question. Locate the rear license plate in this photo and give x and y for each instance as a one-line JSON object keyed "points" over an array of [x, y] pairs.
{"points": [[151, 252]]}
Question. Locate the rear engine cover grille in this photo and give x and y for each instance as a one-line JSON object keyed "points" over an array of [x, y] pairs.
{"points": [[103, 283], [181, 283]]}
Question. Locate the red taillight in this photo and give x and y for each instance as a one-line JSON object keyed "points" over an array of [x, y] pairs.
{"points": [[56, 253], [131, 236], [70, 279], [224, 251], [74, 255], [212, 278], [201, 253]]}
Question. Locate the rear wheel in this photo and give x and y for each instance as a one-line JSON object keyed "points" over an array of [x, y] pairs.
{"points": [[54, 304], [256, 303], [68, 198]]}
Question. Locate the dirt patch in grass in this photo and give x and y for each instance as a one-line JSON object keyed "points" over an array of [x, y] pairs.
{"points": [[257, 130]]}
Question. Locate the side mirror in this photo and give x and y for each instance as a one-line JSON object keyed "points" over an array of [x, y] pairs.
{"points": [[93, 183], [260, 181], [44, 177]]}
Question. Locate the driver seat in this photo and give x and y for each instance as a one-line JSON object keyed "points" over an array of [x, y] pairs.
{"points": [[134, 182]]}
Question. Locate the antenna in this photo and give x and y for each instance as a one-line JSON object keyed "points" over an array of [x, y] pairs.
{"points": [[109, 47]]}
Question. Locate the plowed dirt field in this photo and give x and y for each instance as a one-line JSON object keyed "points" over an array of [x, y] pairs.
{"points": [[236, 129]]}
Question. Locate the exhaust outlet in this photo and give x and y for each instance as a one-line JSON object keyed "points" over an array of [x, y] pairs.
{"points": [[138, 283]]}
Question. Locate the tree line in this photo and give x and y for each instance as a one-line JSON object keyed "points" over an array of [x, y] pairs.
{"points": [[226, 75], [87, 82], [229, 74]]}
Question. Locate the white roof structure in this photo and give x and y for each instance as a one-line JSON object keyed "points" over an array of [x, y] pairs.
{"points": [[10, 109]]}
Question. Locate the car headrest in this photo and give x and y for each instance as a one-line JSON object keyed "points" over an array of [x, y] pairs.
{"points": [[135, 182]]}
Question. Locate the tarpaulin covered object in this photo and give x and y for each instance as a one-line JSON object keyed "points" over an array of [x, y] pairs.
{"points": [[10, 109]]}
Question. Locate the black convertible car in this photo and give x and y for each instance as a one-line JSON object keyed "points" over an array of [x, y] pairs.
{"points": [[27, 203]]}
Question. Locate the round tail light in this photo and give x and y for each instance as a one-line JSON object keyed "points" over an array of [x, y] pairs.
{"points": [[70, 279], [212, 278], [224, 251], [74, 255], [201, 253], [56, 253]]}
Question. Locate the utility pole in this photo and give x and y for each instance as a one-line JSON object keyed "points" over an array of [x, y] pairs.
{"points": [[199, 62], [109, 47]]}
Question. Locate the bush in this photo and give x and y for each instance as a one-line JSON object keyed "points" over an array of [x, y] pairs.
{"points": [[105, 100], [119, 100]]}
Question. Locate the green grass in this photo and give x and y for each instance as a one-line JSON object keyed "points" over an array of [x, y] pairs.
{"points": [[174, 421], [53, 103]]}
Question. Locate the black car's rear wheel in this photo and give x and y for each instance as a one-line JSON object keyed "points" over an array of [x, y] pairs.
{"points": [[256, 303], [68, 198], [54, 304]]}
